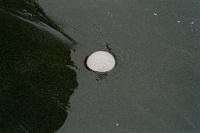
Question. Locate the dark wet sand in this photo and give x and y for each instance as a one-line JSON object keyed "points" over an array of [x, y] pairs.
{"points": [[153, 88]]}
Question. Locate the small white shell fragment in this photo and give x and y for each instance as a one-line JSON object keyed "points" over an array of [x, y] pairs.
{"points": [[191, 22], [101, 61], [117, 124]]}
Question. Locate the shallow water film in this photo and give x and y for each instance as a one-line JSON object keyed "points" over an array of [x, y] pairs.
{"points": [[46, 87]]}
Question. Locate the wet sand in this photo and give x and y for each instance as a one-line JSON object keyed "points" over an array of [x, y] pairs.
{"points": [[153, 88]]}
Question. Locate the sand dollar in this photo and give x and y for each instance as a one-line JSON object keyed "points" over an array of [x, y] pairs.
{"points": [[101, 61]]}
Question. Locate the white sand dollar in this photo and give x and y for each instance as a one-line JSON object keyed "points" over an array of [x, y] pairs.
{"points": [[101, 61]]}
